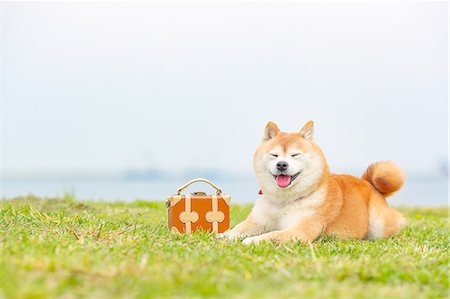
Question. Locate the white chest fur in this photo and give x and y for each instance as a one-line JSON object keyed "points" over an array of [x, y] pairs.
{"points": [[276, 215]]}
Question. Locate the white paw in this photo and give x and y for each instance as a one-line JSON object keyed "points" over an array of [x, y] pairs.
{"points": [[251, 240], [229, 235]]}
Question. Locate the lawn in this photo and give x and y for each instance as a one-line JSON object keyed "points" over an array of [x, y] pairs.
{"points": [[63, 248]]}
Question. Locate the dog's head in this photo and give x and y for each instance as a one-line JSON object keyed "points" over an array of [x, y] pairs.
{"points": [[288, 165]]}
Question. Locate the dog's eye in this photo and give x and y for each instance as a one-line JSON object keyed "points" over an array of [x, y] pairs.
{"points": [[273, 155], [295, 155]]}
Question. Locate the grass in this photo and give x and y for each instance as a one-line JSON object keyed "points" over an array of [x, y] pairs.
{"points": [[61, 248]]}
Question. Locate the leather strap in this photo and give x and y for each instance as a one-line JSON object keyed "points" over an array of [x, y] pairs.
{"points": [[215, 216], [188, 216]]}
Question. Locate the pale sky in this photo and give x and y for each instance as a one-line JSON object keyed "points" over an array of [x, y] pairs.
{"points": [[98, 87]]}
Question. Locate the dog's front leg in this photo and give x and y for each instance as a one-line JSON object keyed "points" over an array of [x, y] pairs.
{"points": [[305, 232], [246, 228]]}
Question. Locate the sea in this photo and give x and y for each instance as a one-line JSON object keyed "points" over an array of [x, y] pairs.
{"points": [[420, 192]]}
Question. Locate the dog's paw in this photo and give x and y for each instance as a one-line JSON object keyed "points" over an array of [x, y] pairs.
{"points": [[222, 236], [229, 235], [252, 240]]}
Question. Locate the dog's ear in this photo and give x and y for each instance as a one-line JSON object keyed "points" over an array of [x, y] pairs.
{"points": [[271, 131], [307, 131]]}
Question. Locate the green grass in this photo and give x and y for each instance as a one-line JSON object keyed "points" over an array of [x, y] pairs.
{"points": [[61, 248]]}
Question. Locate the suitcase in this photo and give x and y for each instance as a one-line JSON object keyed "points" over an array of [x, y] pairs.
{"points": [[198, 210]]}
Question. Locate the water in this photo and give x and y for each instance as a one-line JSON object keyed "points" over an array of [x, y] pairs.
{"points": [[416, 192]]}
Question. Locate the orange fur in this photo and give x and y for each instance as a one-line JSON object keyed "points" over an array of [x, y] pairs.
{"points": [[318, 201]]}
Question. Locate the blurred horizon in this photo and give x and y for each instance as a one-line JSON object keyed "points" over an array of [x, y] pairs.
{"points": [[152, 174]]}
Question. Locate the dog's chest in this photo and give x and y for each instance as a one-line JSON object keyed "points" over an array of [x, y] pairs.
{"points": [[276, 217]]}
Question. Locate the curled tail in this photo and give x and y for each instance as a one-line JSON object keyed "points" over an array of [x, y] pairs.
{"points": [[385, 176]]}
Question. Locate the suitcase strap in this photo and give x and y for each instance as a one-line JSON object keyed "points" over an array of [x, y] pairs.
{"points": [[215, 216], [218, 191], [188, 216]]}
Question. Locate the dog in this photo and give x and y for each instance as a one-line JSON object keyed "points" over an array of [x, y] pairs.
{"points": [[302, 199]]}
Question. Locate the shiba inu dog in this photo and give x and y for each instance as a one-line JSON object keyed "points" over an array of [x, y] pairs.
{"points": [[302, 199]]}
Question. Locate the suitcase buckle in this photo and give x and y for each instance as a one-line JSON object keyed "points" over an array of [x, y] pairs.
{"points": [[198, 193]]}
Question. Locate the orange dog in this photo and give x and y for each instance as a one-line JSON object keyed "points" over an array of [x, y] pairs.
{"points": [[302, 199]]}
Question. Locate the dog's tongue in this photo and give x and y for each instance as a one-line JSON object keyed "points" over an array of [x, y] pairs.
{"points": [[283, 180]]}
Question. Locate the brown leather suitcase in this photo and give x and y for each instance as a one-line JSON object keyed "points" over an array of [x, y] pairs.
{"points": [[198, 210]]}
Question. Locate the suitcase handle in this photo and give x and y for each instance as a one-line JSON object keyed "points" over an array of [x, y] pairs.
{"points": [[198, 180]]}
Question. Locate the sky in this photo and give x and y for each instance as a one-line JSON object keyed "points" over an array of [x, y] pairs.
{"points": [[112, 86]]}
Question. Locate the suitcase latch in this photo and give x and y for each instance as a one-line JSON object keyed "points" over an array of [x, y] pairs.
{"points": [[198, 193]]}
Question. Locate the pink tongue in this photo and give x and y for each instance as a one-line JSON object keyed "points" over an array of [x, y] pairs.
{"points": [[283, 180]]}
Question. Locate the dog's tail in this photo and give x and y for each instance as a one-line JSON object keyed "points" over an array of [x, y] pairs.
{"points": [[385, 176]]}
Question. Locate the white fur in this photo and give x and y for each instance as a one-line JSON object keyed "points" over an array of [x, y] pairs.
{"points": [[376, 226], [253, 240], [276, 215], [236, 233], [273, 214], [309, 164]]}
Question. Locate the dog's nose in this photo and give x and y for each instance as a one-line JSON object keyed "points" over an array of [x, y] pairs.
{"points": [[282, 165]]}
